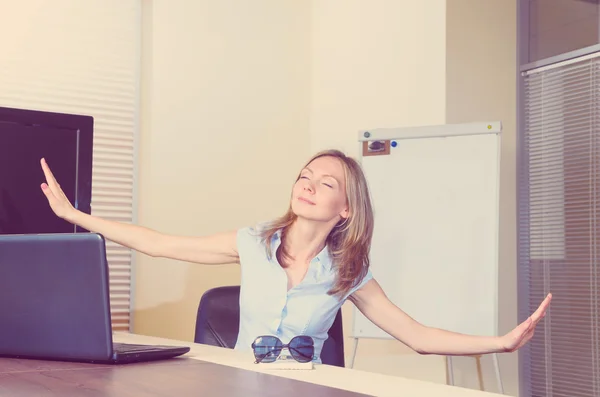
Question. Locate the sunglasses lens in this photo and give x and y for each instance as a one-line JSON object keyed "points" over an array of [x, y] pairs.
{"points": [[267, 348], [302, 348]]}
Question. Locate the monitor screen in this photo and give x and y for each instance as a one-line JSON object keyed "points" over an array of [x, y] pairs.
{"points": [[24, 208]]}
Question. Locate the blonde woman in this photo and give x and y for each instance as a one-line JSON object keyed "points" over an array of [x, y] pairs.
{"points": [[297, 270]]}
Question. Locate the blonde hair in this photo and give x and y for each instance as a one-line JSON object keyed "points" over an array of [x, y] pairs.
{"points": [[350, 240]]}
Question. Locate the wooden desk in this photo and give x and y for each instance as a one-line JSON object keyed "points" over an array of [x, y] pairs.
{"points": [[178, 377], [342, 378], [205, 370]]}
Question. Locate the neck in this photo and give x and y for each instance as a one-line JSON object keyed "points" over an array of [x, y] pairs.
{"points": [[305, 239]]}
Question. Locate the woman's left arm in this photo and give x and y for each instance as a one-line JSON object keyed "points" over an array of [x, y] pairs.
{"points": [[376, 306]]}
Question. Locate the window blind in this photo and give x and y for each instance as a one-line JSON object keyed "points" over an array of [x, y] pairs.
{"points": [[558, 237], [82, 57]]}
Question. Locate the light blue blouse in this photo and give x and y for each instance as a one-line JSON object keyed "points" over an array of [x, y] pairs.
{"points": [[268, 308]]}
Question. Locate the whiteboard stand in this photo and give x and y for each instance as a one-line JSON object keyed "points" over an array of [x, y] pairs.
{"points": [[449, 368], [447, 176], [450, 371], [354, 352]]}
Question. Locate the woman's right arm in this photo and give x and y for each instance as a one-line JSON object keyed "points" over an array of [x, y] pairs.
{"points": [[215, 249]]}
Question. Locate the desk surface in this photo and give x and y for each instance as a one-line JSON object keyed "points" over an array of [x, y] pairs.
{"points": [[369, 383], [205, 370], [180, 377]]}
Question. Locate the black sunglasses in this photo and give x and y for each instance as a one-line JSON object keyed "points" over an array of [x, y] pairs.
{"points": [[267, 348]]}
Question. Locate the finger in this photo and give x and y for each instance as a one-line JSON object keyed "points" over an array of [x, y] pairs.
{"points": [[538, 319], [544, 306], [527, 337], [546, 301], [48, 193], [537, 315], [51, 180], [541, 310], [48, 174], [523, 340], [524, 327]]}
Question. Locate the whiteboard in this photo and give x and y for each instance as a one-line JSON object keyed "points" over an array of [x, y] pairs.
{"points": [[435, 243]]}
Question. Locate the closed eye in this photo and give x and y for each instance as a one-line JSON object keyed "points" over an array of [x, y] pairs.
{"points": [[328, 185]]}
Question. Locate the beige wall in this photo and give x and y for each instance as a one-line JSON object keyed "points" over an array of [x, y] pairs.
{"points": [[481, 86], [224, 130], [375, 64]]}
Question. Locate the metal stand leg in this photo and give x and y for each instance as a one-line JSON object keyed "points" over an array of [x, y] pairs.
{"points": [[479, 372], [354, 353], [498, 377], [449, 371]]}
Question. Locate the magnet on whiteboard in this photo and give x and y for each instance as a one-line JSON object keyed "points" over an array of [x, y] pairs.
{"points": [[394, 143]]}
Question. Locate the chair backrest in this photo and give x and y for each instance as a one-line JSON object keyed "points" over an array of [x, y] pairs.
{"points": [[218, 321]]}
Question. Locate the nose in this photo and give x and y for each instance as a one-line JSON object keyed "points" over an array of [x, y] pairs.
{"points": [[308, 187]]}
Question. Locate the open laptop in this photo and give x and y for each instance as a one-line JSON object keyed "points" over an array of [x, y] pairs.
{"points": [[55, 303]]}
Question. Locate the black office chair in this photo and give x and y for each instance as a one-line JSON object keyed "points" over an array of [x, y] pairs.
{"points": [[218, 321]]}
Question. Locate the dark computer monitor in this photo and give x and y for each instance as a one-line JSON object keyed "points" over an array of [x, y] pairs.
{"points": [[65, 141]]}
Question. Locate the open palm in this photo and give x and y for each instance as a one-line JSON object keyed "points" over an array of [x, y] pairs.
{"points": [[519, 336], [56, 197]]}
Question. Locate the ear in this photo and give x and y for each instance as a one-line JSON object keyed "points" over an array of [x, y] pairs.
{"points": [[345, 213]]}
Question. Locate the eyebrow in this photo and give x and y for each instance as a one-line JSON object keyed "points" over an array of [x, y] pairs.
{"points": [[325, 175]]}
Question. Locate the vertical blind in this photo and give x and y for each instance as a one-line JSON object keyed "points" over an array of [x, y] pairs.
{"points": [[559, 202], [82, 57]]}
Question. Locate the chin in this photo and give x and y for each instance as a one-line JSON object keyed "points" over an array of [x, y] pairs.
{"points": [[301, 211], [308, 212], [307, 215]]}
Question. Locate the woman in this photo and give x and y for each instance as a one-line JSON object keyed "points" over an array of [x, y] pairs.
{"points": [[298, 270]]}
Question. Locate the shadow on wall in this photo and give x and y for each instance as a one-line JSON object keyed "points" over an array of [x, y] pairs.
{"points": [[171, 292]]}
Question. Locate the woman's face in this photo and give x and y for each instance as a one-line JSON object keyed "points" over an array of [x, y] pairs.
{"points": [[320, 192]]}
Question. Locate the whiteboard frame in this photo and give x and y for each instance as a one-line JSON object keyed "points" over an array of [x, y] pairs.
{"points": [[430, 131], [437, 131]]}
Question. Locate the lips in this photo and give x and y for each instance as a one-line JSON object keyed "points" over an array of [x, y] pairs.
{"points": [[307, 201]]}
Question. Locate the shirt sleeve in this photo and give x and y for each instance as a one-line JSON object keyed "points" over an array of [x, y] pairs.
{"points": [[249, 245], [247, 242], [366, 279]]}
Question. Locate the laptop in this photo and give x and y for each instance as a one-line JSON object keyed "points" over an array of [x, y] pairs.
{"points": [[55, 303]]}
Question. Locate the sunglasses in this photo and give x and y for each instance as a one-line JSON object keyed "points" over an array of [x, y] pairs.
{"points": [[267, 349]]}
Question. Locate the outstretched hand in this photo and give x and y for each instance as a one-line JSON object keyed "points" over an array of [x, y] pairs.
{"points": [[56, 197], [519, 336]]}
